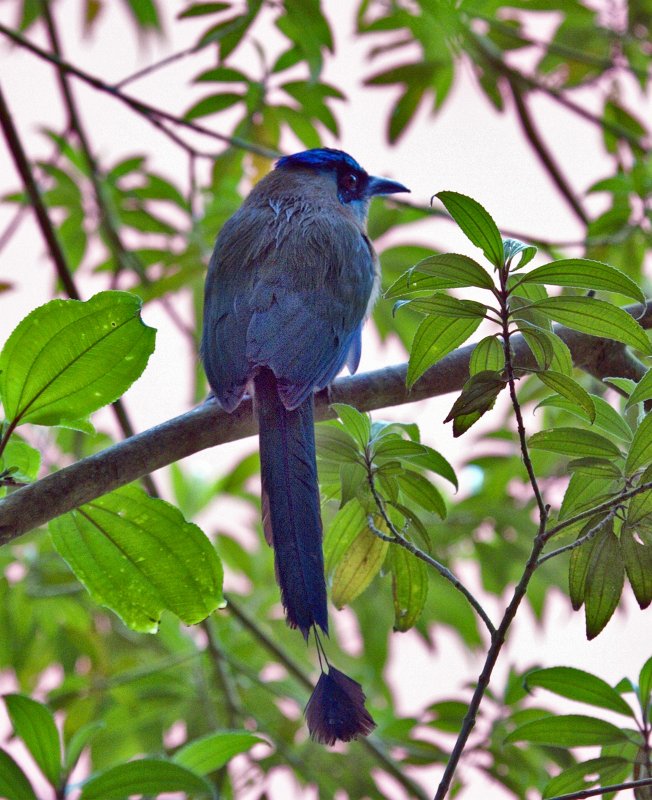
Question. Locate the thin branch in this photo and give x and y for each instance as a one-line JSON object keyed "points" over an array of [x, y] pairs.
{"points": [[150, 113], [398, 539], [369, 744], [222, 676], [207, 426], [578, 542], [543, 153], [164, 62], [615, 787]]}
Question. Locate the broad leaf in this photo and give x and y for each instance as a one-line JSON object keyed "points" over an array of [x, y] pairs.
{"points": [[604, 770], [421, 491], [574, 442], [570, 389], [359, 565], [357, 424], [583, 273], [476, 224], [640, 451], [409, 587], [637, 558], [487, 355], [642, 391], [604, 582], [443, 305], [576, 684], [13, 782], [568, 730], [211, 752], [457, 270], [478, 394], [34, 724], [435, 338], [343, 530], [146, 776], [138, 556]]}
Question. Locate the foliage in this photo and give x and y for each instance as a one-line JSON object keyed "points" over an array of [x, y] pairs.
{"points": [[568, 505]]}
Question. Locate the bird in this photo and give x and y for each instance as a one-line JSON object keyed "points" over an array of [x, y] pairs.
{"points": [[292, 278]]}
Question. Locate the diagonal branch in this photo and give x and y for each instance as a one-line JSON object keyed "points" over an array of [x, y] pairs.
{"points": [[208, 425]]}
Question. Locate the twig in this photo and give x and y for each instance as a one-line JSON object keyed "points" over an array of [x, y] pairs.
{"points": [[222, 676], [164, 62], [580, 541], [369, 744], [149, 112], [615, 787], [398, 539]]}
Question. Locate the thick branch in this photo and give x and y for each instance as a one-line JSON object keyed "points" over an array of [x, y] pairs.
{"points": [[208, 426]]}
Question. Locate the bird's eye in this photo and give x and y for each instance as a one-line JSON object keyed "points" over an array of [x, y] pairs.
{"points": [[349, 181]]}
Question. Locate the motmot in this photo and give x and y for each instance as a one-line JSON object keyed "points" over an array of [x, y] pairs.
{"points": [[292, 278]]}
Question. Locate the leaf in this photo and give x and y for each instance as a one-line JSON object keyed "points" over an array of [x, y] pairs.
{"points": [[205, 755], [138, 556], [146, 776], [478, 394], [576, 684], [568, 730], [641, 504], [13, 782], [359, 565], [335, 444], [421, 491], [570, 389], [444, 305], [79, 740], [409, 587], [487, 355], [22, 461], [199, 9], [642, 391], [637, 558], [69, 358], [144, 13], [640, 451], [574, 442], [583, 273], [583, 493], [415, 453], [606, 416], [434, 339], [475, 223], [578, 568], [213, 104], [645, 683], [357, 425], [603, 770], [604, 582], [595, 317], [595, 467], [458, 271], [34, 724], [346, 525]]}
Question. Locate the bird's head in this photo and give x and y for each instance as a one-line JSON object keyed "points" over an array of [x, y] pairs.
{"points": [[354, 186]]}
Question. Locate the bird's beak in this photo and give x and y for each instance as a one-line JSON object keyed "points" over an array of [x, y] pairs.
{"points": [[384, 186]]}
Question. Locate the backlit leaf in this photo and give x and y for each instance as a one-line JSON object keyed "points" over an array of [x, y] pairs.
{"points": [[583, 273], [476, 224], [359, 565], [434, 339]]}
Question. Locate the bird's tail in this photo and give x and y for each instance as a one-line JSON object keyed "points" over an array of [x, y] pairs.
{"points": [[290, 494]]}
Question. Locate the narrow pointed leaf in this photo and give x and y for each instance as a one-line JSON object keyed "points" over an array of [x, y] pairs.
{"points": [[570, 389], [138, 556], [578, 569], [642, 391], [597, 318], [434, 339], [583, 273], [645, 683], [549, 350], [604, 770], [478, 394], [444, 305], [147, 776], [359, 565], [34, 724], [336, 444], [640, 452], [69, 358], [576, 684], [595, 467], [409, 587], [640, 506], [460, 271], [476, 223], [604, 582], [343, 530], [487, 355], [421, 491], [13, 781], [356, 423], [637, 558], [574, 442], [512, 248], [212, 752], [418, 454], [568, 730], [606, 416]]}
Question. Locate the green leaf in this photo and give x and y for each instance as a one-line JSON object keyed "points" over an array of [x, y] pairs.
{"points": [[643, 390], [475, 223], [79, 740], [359, 565], [478, 394], [595, 317], [512, 247], [199, 9], [457, 271], [604, 582], [640, 452], [434, 339], [444, 305], [138, 556], [603, 770], [69, 358], [574, 442], [637, 558], [641, 504], [34, 724], [421, 491], [583, 273], [205, 755], [357, 425], [21, 459], [13, 782], [576, 684], [606, 416], [568, 730], [570, 389], [595, 467], [147, 776], [409, 587], [213, 104], [222, 75], [419, 454], [584, 492], [144, 13], [645, 683], [346, 525], [487, 355], [578, 568]]}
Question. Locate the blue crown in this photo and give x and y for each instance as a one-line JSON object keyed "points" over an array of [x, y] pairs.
{"points": [[320, 158]]}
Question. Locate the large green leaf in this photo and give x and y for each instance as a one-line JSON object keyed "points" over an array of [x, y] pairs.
{"points": [[640, 451], [211, 752], [570, 389], [595, 317], [138, 556], [568, 730], [476, 224], [346, 525], [604, 770], [147, 776], [643, 390], [409, 587], [604, 582], [359, 565], [434, 339], [576, 684], [583, 273], [637, 558], [34, 724], [69, 358], [13, 782], [574, 442], [457, 270], [487, 355]]}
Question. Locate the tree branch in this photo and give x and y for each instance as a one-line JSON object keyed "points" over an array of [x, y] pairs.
{"points": [[208, 425]]}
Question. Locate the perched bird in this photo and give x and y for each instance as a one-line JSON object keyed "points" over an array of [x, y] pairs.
{"points": [[291, 280]]}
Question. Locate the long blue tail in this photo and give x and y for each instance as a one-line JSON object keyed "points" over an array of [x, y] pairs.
{"points": [[290, 496]]}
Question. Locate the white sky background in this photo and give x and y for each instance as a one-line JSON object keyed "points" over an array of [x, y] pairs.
{"points": [[468, 147]]}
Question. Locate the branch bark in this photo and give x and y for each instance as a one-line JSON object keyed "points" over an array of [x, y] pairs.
{"points": [[208, 425]]}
